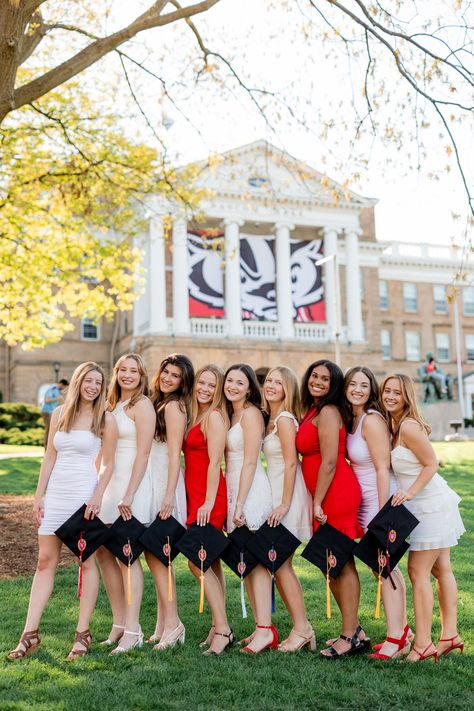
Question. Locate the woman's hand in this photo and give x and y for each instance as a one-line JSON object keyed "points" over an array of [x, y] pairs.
{"points": [[38, 511], [204, 513], [93, 507], [239, 518], [319, 514], [275, 517], [167, 507], [401, 497], [125, 507]]}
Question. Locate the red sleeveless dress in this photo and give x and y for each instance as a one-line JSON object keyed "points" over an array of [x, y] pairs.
{"points": [[196, 463], [343, 497]]}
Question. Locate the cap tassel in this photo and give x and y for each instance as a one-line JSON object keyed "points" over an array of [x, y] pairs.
{"points": [[81, 544], [273, 580], [242, 567], [389, 540], [382, 563], [328, 589], [127, 550], [202, 558], [170, 574]]}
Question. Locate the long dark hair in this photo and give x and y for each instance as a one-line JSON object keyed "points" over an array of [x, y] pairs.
{"points": [[182, 395], [254, 396], [335, 395], [373, 403]]}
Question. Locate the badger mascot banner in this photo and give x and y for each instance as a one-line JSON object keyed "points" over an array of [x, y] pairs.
{"points": [[257, 276]]}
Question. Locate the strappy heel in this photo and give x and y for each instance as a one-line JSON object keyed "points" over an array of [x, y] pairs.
{"points": [[307, 641], [459, 645], [230, 641], [109, 642], [410, 637], [205, 642], [365, 642], [136, 645], [271, 645], [422, 655], [403, 645], [84, 638], [175, 637], [29, 646], [356, 648]]}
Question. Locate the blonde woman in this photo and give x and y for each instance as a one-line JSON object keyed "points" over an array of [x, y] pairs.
{"points": [[68, 479], [292, 504], [129, 492], [171, 395], [206, 493], [426, 494]]}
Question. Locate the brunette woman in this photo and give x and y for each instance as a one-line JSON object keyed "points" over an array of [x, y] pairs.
{"points": [[68, 479], [321, 440], [292, 505], [426, 494], [206, 490], [249, 496], [170, 394], [368, 447], [129, 493]]}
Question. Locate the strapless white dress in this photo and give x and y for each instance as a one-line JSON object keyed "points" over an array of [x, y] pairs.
{"points": [[158, 465], [124, 458], [73, 479], [436, 506], [298, 520], [258, 503]]}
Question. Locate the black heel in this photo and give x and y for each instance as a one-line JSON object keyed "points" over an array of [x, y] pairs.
{"points": [[230, 641]]}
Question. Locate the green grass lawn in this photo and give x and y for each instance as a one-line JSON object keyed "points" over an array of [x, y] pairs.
{"points": [[183, 679]]}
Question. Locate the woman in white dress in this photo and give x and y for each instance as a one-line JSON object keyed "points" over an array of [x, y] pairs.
{"points": [[68, 479], [368, 447], [426, 494], [129, 493], [249, 497], [170, 394], [292, 504]]}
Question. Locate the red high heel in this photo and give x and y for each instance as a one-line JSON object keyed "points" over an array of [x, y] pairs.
{"points": [[459, 645], [271, 645], [422, 655], [402, 643], [410, 636]]}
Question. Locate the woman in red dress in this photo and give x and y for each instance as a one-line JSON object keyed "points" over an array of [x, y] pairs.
{"points": [[206, 493], [321, 440]]}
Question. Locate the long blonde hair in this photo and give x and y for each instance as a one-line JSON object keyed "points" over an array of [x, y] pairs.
{"points": [[70, 409], [218, 401], [410, 408], [292, 400], [115, 391]]}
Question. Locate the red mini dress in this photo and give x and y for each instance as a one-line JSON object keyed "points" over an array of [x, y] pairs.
{"points": [[343, 498], [196, 464]]}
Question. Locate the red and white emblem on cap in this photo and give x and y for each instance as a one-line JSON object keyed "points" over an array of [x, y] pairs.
{"points": [[166, 549], [392, 535], [272, 555], [81, 544], [127, 549], [382, 560], [202, 554], [332, 560], [241, 567]]}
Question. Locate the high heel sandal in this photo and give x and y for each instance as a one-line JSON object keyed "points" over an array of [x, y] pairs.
{"points": [[176, 636], [271, 645], [308, 641], [109, 642], [206, 643], [84, 638], [153, 638], [410, 636], [246, 640], [136, 645], [29, 646], [459, 645], [356, 648], [365, 642], [403, 645], [230, 641], [422, 655]]}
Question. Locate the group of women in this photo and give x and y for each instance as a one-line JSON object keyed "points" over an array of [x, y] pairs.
{"points": [[336, 448]]}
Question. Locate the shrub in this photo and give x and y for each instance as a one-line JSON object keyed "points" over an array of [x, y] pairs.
{"points": [[14, 435], [20, 415]]}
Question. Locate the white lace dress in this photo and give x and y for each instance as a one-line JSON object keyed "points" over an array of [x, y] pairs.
{"points": [[158, 465], [298, 520], [258, 503]]}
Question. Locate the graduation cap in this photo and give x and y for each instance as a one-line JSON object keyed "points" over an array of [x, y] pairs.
{"points": [[202, 545], [392, 525], [374, 554], [271, 546], [240, 559], [160, 539], [82, 536], [125, 545], [329, 550]]}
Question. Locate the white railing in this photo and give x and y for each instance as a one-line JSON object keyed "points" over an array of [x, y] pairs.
{"points": [[209, 327], [261, 329], [312, 332]]}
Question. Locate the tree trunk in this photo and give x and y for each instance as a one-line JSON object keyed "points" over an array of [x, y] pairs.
{"points": [[14, 18]]}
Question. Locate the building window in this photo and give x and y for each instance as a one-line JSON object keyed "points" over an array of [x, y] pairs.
{"points": [[443, 347], [412, 345], [410, 298], [386, 344], [470, 348], [89, 330], [383, 295], [468, 301], [440, 299]]}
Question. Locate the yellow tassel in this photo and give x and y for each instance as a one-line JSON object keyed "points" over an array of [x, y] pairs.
{"points": [[201, 598], [328, 598], [377, 604], [170, 584]]}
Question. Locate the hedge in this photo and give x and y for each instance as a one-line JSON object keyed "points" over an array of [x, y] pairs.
{"points": [[20, 423]]}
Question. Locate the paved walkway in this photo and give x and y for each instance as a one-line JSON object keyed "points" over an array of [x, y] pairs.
{"points": [[17, 455]]}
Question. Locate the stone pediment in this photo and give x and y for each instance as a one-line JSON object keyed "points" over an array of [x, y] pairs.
{"points": [[259, 171]]}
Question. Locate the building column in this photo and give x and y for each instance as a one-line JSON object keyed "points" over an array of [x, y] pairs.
{"points": [[283, 280], [180, 277], [232, 300], [353, 296], [156, 276], [331, 300]]}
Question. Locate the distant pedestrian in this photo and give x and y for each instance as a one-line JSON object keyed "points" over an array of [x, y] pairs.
{"points": [[52, 398]]}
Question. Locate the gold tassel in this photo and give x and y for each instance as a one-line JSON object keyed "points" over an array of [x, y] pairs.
{"points": [[328, 589], [201, 598], [382, 562]]}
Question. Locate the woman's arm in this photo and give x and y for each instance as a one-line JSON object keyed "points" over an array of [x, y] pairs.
{"points": [[286, 431], [375, 433], [216, 435], [252, 426], [329, 424], [416, 439], [175, 421], [109, 444], [47, 465], [145, 420]]}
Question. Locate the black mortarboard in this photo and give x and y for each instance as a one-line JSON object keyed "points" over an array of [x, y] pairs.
{"points": [[373, 553], [392, 525], [329, 550], [161, 537], [81, 535], [237, 556], [124, 539]]}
